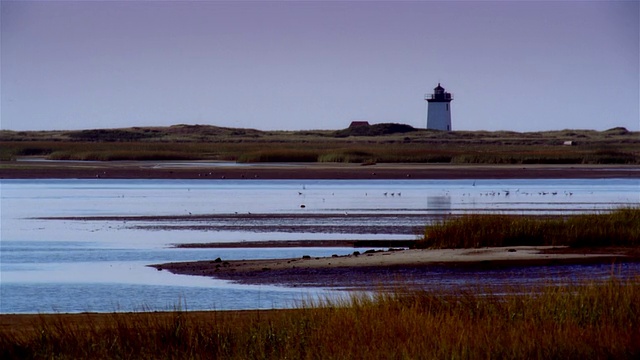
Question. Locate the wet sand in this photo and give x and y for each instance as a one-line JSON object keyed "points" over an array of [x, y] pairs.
{"points": [[373, 268], [40, 169], [281, 222]]}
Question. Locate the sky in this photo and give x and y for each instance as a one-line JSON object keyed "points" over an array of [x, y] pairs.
{"points": [[304, 65]]}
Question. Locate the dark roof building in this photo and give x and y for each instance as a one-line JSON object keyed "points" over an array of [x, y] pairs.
{"points": [[358, 123]]}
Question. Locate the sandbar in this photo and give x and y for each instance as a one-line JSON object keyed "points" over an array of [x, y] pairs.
{"points": [[374, 267]]}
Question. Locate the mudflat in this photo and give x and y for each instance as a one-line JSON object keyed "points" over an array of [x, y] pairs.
{"points": [[376, 268], [42, 169]]}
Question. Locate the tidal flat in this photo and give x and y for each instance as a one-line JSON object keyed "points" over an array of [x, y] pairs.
{"points": [[84, 245]]}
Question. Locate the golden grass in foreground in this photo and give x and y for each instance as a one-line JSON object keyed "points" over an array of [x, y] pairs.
{"points": [[573, 321], [620, 227]]}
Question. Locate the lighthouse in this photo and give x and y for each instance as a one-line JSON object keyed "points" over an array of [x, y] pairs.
{"points": [[439, 109]]}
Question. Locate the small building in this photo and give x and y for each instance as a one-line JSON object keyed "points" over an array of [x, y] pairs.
{"points": [[358, 123], [439, 109]]}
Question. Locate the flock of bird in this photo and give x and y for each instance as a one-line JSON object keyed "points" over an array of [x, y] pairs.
{"points": [[505, 193], [393, 194], [508, 192]]}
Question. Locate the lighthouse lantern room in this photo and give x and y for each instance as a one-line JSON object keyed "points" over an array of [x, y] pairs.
{"points": [[439, 109]]}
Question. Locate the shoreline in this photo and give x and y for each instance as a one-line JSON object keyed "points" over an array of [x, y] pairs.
{"points": [[294, 171], [371, 268], [300, 244]]}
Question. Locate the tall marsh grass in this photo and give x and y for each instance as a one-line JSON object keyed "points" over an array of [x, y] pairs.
{"points": [[571, 321], [249, 146], [620, 227], [119, 155]]}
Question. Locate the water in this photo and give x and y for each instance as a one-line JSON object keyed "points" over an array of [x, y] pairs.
{"points": [[99, 264]]}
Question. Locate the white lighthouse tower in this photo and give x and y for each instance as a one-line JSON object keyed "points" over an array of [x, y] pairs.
{"points": [[439, 110]]}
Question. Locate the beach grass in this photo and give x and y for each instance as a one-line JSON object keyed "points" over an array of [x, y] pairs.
{"points": [[120, 155], [620, 227], [320, 151], [589, 320], [198, 142]]}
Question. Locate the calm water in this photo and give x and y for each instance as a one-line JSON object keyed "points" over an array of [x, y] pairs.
{"points": [[98, 265]]}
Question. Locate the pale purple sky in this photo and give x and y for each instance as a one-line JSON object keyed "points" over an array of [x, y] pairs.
{"points": [[511, 65]]}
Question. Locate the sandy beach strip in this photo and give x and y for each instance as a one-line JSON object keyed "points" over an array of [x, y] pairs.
{"points": [[362, 269]]}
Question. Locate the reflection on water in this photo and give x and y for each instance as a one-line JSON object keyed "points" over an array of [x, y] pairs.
{"points": [[99, 265], [96, 297], [439, 202]]}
